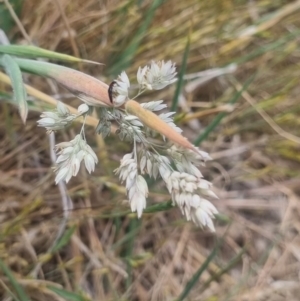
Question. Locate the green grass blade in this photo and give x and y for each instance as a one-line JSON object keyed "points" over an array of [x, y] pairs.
{"points": [[6, 97], [267, 48], [235, 260], [125, 238], [37, 52], [221, 115], [180, 76], [197, 275], [159, 207], [151, 209], [18, 288], [134, 227], [20, 95], [6, 20], [125, 58], [64, 240], [66, 294]]}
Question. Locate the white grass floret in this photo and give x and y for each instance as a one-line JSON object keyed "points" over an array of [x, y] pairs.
{"points": [[83, 108], [137, 188], [185, 190], [120, 89], [154, 106], [58, 119], [157, 76], [70, 156]]}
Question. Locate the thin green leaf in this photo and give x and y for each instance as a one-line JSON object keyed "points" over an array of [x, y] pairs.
{"points": [[123, 60], [37, 52], [64, 240], [159, 207], [125, 238], [134, 227], [18, 288], [5, 96], [20, 95], [235, 260], [221, 115], [181, 75], [66, 294], [267, 48], [150, 209], [197, 275]]}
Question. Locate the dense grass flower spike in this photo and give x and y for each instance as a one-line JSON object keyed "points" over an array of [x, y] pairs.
{"points": [[176, 162]]}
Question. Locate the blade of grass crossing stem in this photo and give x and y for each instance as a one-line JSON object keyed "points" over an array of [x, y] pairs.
{"points": [[128, 54], [151, 209], [180, 76], [197, 275], [37, 52], [18, 288], [66, 294], [20, 95], [221, 115], [159, 207]]}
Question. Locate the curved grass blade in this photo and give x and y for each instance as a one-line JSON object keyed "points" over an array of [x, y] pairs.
{"points": [[197, 275], [180, 76], [20, 95], [70, 296], [37, 52], [18, 288], [221, 115]]}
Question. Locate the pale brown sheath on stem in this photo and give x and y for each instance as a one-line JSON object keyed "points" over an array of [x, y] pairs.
{"points": [[152, 121]]}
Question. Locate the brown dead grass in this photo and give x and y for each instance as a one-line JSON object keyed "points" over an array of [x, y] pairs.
{"points": [[255, 168]]}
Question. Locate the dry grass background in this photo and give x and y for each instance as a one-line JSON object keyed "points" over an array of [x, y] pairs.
{"points": [[106, 253]]}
